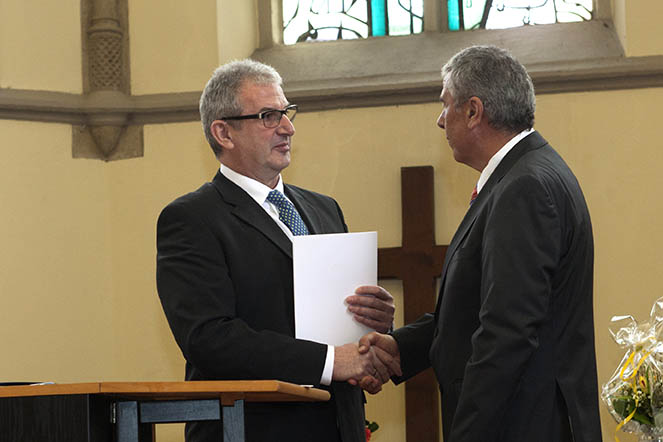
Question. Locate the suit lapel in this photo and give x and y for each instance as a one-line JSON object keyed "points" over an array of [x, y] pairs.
{"points": [[463, 228], [306, 210], [245, 208], [530, 142]]}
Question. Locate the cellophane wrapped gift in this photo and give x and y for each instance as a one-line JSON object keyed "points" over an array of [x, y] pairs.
{"points": [[634, 393]]}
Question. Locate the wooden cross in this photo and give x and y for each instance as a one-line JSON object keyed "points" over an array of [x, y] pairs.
{"points": [[418, 262]]}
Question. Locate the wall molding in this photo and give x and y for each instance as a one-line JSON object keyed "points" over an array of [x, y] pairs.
{"points": [[590, 75], [61, 107], [375, 72], [58, 107]]}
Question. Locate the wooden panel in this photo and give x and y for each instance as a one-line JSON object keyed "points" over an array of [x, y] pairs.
{"points": [[261, 391], [50, 389], [251, 391], [55, 418], [276, 390]]}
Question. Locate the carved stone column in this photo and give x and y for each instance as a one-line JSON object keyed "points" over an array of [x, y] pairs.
{"points": [[106, 84]]}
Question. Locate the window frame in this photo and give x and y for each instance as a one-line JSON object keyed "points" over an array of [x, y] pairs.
{"points": [[270, 13], [380, 71]]}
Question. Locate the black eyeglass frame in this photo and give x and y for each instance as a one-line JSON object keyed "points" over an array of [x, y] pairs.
{"points": [[261, 115]]}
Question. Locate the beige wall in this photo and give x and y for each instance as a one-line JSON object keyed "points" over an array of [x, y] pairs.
{"points": [[40, 45], [176, 161], [237, 22], [56, 320], [77, 272], [638, 26], [173, 48]]}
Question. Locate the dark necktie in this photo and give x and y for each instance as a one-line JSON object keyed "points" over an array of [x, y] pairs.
{"points": [[474, 195], [287, 213]]}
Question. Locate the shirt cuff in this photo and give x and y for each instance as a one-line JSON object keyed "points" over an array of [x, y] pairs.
{"points": [[328, 371]]}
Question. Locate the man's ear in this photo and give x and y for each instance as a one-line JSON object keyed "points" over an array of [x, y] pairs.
{"points": [[221, 131], [474, 112]]}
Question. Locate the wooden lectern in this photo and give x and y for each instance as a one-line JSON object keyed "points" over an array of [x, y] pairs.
{"points": [[127, 411]]}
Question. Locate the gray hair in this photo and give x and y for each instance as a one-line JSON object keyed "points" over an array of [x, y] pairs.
{"points": [[220, 96], [499, 80]]}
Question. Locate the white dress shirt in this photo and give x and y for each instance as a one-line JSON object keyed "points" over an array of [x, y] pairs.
{"points": [[258, 191]]}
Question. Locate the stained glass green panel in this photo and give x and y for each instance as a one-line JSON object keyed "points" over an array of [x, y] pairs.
{"points": [[453, 14], [378, 18]]}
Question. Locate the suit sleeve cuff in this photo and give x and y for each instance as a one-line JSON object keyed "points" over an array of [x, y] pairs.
{"points": [[328, 370]]}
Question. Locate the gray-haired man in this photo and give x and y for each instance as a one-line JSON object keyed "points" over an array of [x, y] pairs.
{"points": [[224, 269], [512, 338]]}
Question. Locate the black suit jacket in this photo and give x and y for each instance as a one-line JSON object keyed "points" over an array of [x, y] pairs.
{"points": [[512, 337], [224, 276]]}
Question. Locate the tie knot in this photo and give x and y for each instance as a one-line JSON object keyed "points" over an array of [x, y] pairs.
{"points": [[277, 198], [474, 195]]}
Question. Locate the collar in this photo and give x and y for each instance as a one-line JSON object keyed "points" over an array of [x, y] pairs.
{"points": [[257, 190], [498, 157]]}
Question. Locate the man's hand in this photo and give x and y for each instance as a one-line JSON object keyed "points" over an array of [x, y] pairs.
{"points": [[386, 350], [372, 306], [352, 366]]}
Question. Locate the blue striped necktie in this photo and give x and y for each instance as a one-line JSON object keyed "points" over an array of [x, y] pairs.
{"points": [[287, 213]]}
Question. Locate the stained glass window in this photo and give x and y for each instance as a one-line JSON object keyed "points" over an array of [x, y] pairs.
{"points": [[499, 14], [321, 20]]}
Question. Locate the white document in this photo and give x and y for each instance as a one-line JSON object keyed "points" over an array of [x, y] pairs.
{"points": [[327, 269]]}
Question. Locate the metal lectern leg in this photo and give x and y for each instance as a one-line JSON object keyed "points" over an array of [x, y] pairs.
{"points": [[233, 422], [128, 427], [133, 420], [126, 421]]}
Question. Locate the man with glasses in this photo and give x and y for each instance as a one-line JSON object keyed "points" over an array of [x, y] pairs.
{"points": [[224, 269]]}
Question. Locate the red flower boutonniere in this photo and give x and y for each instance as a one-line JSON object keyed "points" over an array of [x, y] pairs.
{"points": [[371, 427]]}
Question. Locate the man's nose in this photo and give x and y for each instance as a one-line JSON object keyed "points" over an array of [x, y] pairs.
{"points": [[440, 121], [286, 127]]}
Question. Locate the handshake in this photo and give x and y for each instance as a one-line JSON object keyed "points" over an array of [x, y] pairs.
{"points": [[376, 357], [368, 364]]}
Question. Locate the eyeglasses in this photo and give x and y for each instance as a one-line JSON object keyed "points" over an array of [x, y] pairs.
{"points": [[270, 118]]}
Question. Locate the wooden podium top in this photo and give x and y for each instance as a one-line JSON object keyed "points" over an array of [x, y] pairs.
{"points": [[226, 391]]}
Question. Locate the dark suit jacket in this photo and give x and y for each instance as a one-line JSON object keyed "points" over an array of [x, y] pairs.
{"points": [[224, 276], [512, 338]]}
